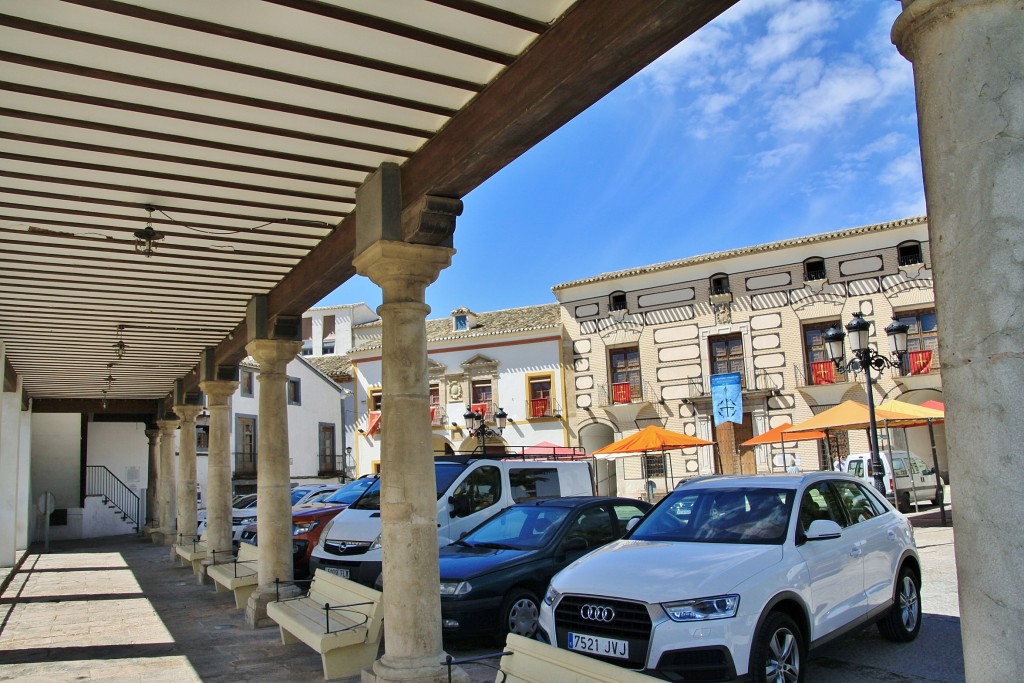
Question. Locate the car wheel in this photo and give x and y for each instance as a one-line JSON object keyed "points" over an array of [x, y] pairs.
{"points": [[778, 652], [902, 622], [519, 614], [904, 502]]}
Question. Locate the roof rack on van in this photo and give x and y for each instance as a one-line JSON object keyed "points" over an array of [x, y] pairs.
{"points": [[560, 453]]}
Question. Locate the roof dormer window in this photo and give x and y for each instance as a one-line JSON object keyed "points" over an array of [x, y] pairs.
{"points": [[463, 320], [909, 253], [814, 269]]}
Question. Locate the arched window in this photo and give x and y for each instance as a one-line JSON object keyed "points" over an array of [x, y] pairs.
{"points": [[814, 269], [909, 253], [617, 301], [719, 284]]}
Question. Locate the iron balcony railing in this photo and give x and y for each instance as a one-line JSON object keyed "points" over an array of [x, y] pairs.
{"points": [[624, 393], [99, 481], [245, 465]]}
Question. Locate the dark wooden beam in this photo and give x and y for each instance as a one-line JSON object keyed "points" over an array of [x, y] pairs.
{"points": [[122, 406]]}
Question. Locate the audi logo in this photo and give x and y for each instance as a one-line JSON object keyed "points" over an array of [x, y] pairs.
{"points": [[597, 613]]}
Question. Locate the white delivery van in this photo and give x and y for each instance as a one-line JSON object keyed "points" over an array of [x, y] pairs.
{"points": [[469, 491], [914, 481]]}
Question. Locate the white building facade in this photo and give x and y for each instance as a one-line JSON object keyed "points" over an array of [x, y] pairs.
{"points": [[508, 361], [646, 343]]}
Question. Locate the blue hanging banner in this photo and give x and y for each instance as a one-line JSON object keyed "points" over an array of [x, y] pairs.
{"points": [[727, 398]]}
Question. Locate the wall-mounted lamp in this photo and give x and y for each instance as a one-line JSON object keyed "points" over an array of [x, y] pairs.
{"points": [[146, 239]]}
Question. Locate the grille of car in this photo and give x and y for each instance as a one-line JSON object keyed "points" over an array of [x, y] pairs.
{"points": [[632, 622], [707, 665], [346, 547]]}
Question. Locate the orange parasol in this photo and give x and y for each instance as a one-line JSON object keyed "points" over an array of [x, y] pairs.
{"points": [[651, 438], [778, 435]]}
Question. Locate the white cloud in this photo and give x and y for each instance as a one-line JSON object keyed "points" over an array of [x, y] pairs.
{"points": [[788, 30], [883, 145], [842, 89], [902, 171], [774, 158]]}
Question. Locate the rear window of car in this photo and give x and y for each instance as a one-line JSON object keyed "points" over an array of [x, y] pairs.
{"points": [[529, 483]]}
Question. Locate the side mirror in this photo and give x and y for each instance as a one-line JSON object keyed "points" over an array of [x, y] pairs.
{"points": [[823, 530], [460, 505], [927, 471], [574, 543], [631, 524]]}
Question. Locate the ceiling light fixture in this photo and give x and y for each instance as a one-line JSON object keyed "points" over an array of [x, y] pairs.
{"points": [[120, 348], [146, 239]]}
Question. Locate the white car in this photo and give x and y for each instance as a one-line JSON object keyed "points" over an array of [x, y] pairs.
{"points": [[914, 482], [740, 576]]}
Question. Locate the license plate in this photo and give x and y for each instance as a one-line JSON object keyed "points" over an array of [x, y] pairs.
{"points": [[337, 571], [596, 645]]}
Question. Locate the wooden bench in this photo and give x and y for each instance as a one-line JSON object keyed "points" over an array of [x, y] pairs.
{"points": [[340, 619], [531, 661], [240, 576], [191, 552]]}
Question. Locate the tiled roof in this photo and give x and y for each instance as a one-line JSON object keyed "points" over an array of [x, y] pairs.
{"points": [[510, 320], [334, 366], [744, 251]]}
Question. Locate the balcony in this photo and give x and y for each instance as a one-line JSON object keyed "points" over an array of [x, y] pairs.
{"points": [[538, 408], [438, 416], [919, 370], [624, 393], [245, 465]]}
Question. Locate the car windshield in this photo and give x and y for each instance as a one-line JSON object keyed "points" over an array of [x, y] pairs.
{"points": [[245, 501], [444, 474], [517, 528], [746, 515], [350, 492], [298, 494]]}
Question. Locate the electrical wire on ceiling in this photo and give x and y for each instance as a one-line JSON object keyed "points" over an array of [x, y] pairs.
{"points": [[226, 231]]}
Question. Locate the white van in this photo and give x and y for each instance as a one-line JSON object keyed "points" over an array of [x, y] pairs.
{"points": [[469, 491], [914, 481]]}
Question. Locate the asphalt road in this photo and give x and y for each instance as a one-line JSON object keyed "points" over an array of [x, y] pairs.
{"points": [[936, 656]]}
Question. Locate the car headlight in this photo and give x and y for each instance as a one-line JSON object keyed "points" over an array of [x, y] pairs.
{"points": [[455, 587], [324, 534], [702, 609], [551, 596], [376, 543], [305, 527]]}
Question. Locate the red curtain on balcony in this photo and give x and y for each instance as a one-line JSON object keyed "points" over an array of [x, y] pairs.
{"points": [[823, 372], [621, 393], [373, 423], [538, 407], [433, 413], [480, 408], [920, 362]]}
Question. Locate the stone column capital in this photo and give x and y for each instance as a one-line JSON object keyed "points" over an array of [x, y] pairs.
{"points": [[218, 391], [167, 426], [273, 355], [402, 270], [152, 434], [919, 15], [187, 412]]}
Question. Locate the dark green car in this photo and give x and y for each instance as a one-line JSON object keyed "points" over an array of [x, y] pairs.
{"points": [[493, 578]]}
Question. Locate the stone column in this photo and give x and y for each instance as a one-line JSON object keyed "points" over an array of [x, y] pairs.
{"points": [[218, 478], [273, 492], [968, 58], [186, 498], [165, 485], [412, 604], [152, 477]]}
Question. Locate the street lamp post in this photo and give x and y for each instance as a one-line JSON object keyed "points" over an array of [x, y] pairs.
{"points": [[866, 358], [475, 421]]}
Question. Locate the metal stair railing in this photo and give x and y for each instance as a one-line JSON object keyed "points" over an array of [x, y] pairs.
{"points": [[99, 481]]}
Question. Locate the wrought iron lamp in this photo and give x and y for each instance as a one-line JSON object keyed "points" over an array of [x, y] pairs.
{"points": [[120, 348], [867, 359], [475, 421], [146, 239]]}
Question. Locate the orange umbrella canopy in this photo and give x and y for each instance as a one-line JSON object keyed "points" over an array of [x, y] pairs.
{"points": [[850, 415], [779, 435], [935, 405], [652, 438]]}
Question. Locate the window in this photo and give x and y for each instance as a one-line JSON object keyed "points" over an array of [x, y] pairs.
{"points": [[307, 348], [294, 392], [625, 374], [540, 396], [858, 505], [328, 347], [820, 370], [480, 391], [820, 502], [593, 526], [375, 399], [461, 323], [617, 301], [814, 269], [247, 382], [479, 491], [909, 253], [202, 439], [922, 341], [654, 465], [727, 355], [435, 394], [534, 482], [719, 284]]}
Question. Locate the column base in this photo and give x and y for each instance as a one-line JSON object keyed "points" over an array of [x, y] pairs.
{"points": [[382, 672], [256, 607]]}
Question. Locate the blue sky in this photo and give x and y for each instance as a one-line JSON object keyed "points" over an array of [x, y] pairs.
{"points": [[780, 119]]}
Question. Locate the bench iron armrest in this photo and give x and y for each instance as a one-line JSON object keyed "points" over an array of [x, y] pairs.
{"points": [[294, 582], [450, 662]]}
